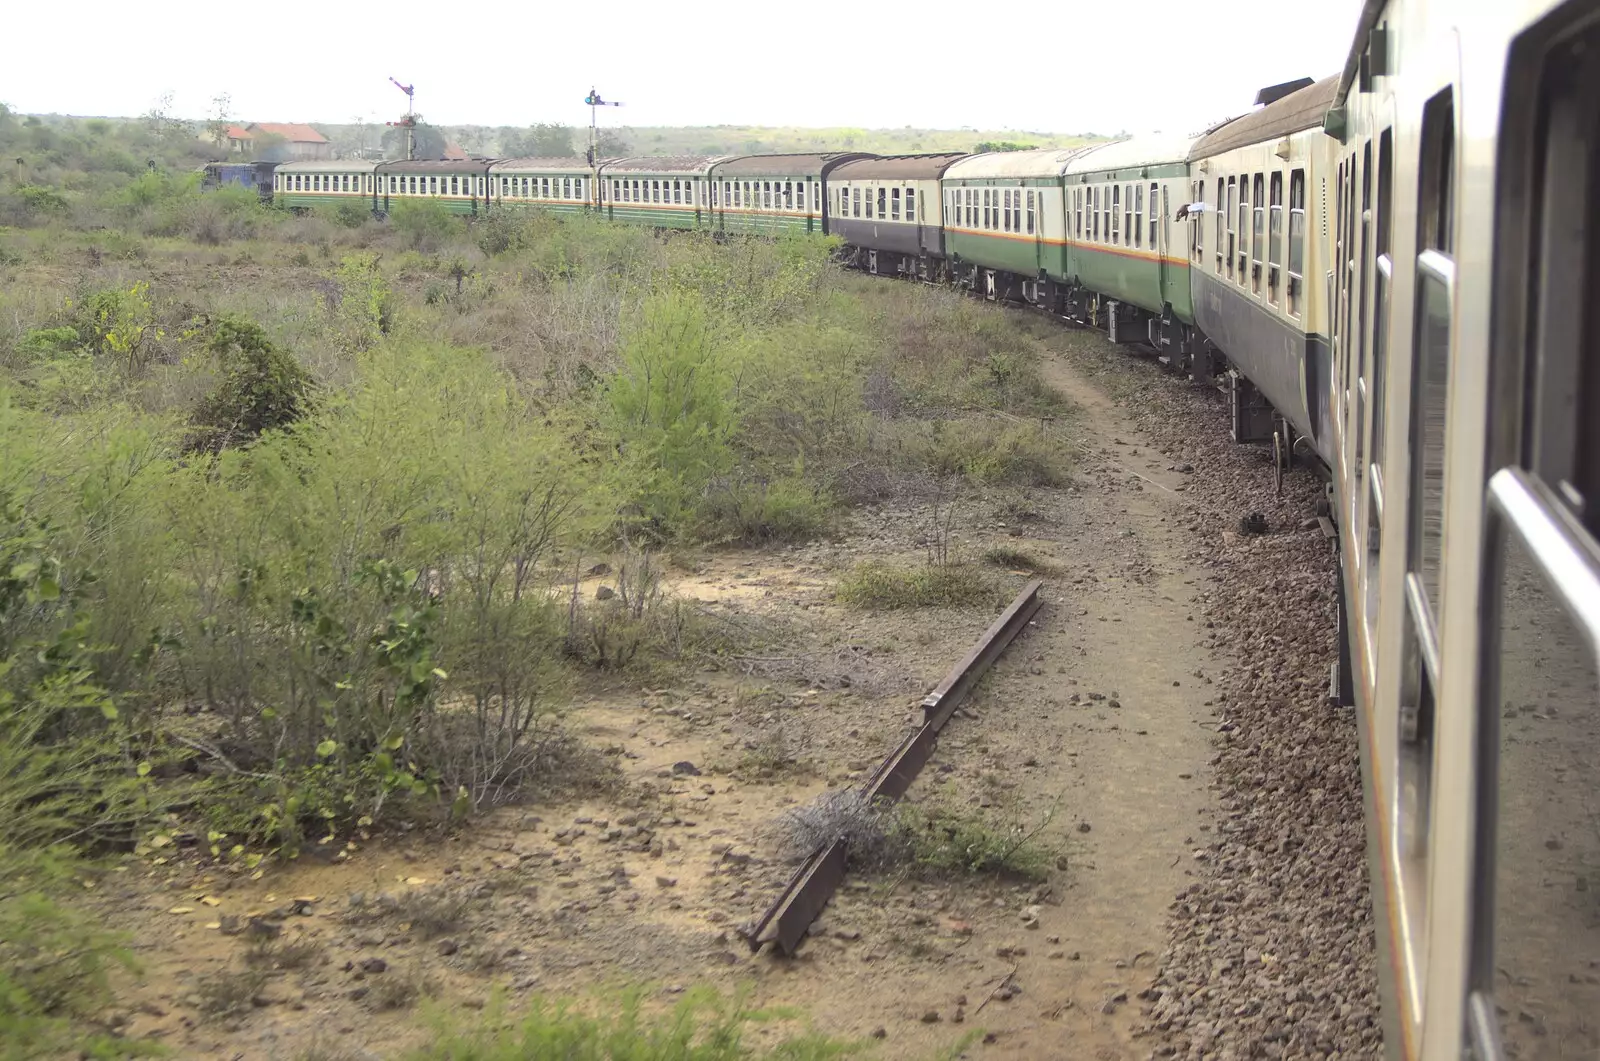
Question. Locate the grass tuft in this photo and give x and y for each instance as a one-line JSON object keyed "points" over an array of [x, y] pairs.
{"points": [[885, 587], [702, 1026], [1017, 560]]}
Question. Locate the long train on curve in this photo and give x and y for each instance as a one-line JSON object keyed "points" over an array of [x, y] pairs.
{"points": [[1397, 272]]}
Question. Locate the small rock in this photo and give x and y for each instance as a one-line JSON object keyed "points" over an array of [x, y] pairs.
{"points": [[931, 1017], [666, 882], [448, 947], [880, 1032], [374, 965], [1083, 827], [604, 593], [600, 570], [684, 766]]}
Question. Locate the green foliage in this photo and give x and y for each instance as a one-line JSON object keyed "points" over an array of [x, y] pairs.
{"points": [[538, 141], [259, 388], [41, 201], [118, 323], [426, 224], [1021, 454], [885, 587], [50, 343], [361, 308], [352, 213], [1002, 145], [951, 841], [700, 1027], [670, 406]]}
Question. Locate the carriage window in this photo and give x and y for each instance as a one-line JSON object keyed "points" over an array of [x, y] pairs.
{"points": [[855, 202], [1030, 211], [894, 204], [1077, 209], [1258, 231], [1127, 215], [1114, 224], [1275, 238], [1138, 217], [911, 205], [883, 200], [1156, 215], [1233, 218]]}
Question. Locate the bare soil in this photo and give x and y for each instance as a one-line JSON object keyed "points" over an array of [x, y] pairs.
{"points": [[1093, 729]]}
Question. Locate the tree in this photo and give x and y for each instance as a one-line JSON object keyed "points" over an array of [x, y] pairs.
{"points": [[1002, 145], [612, 145], [543, 140], [429, 141], [221, 117]]}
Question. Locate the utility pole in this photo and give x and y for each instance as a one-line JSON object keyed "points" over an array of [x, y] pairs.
{"points": [[409, 122], [595, 103]]}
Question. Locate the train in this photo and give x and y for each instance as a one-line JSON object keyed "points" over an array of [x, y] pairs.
{"points": [[1393, 272]]}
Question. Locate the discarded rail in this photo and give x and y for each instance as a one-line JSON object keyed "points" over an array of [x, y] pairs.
{"points": [[814, 882]]}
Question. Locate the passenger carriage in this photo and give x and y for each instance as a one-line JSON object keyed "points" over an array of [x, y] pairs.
{"points": [[1125, 273], [1465, 224], [663, 192], [460, 185], [888, 213], [772, 195], [1258, 250], [307, 185], [1005, 223], [559, 185]]}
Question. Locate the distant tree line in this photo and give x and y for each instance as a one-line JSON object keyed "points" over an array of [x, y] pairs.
{"points": [[1002, 145]]}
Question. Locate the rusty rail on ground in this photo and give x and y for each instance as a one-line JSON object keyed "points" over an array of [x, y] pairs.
{"points": [[814, 882]]}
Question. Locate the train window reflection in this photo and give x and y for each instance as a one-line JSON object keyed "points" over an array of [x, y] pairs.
{"points": [[1546, 855]]}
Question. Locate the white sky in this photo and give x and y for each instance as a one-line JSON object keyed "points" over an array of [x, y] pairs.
{"points": [[1134, 65]]}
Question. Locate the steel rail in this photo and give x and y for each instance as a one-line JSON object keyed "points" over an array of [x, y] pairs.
{"points": [[809, 888]]}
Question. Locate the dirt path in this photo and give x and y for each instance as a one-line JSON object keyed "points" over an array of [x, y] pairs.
{"points": [[1091, 730]]}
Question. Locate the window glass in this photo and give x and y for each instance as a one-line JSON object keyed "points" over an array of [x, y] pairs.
{"points": [[1127, 215], [1435, 276], [1547, 851], [1155, 213], [883, 201], [1233, 219], [855, 203], [1116, 213], [1030, 211], [1258, 233], [911, 205], [1138, 216], [1297, 239], [1275, 237]]}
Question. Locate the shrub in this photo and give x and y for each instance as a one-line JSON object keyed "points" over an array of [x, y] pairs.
{"points": [[425, 223], [750, 509], [1017, 455], [47, 344], [42, 201], [352, 213], [118, 323], [950, 841], [881, 586], [260, 387], [1017, 560]]}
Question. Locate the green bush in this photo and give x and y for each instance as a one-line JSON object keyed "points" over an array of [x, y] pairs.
{"points": [[1018, 454], [260, 387], [426, 224], [42, 201], [882, 586], [352, 213]]}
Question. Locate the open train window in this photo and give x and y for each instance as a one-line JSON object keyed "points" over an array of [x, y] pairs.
{"points": [[1534, 988], [1138, 216]]}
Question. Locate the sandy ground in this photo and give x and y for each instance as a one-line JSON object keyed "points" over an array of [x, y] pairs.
{"points": [[1092, 730]]}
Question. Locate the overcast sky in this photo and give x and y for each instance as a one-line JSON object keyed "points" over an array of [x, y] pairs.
{"points": [[1134, 65]]}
